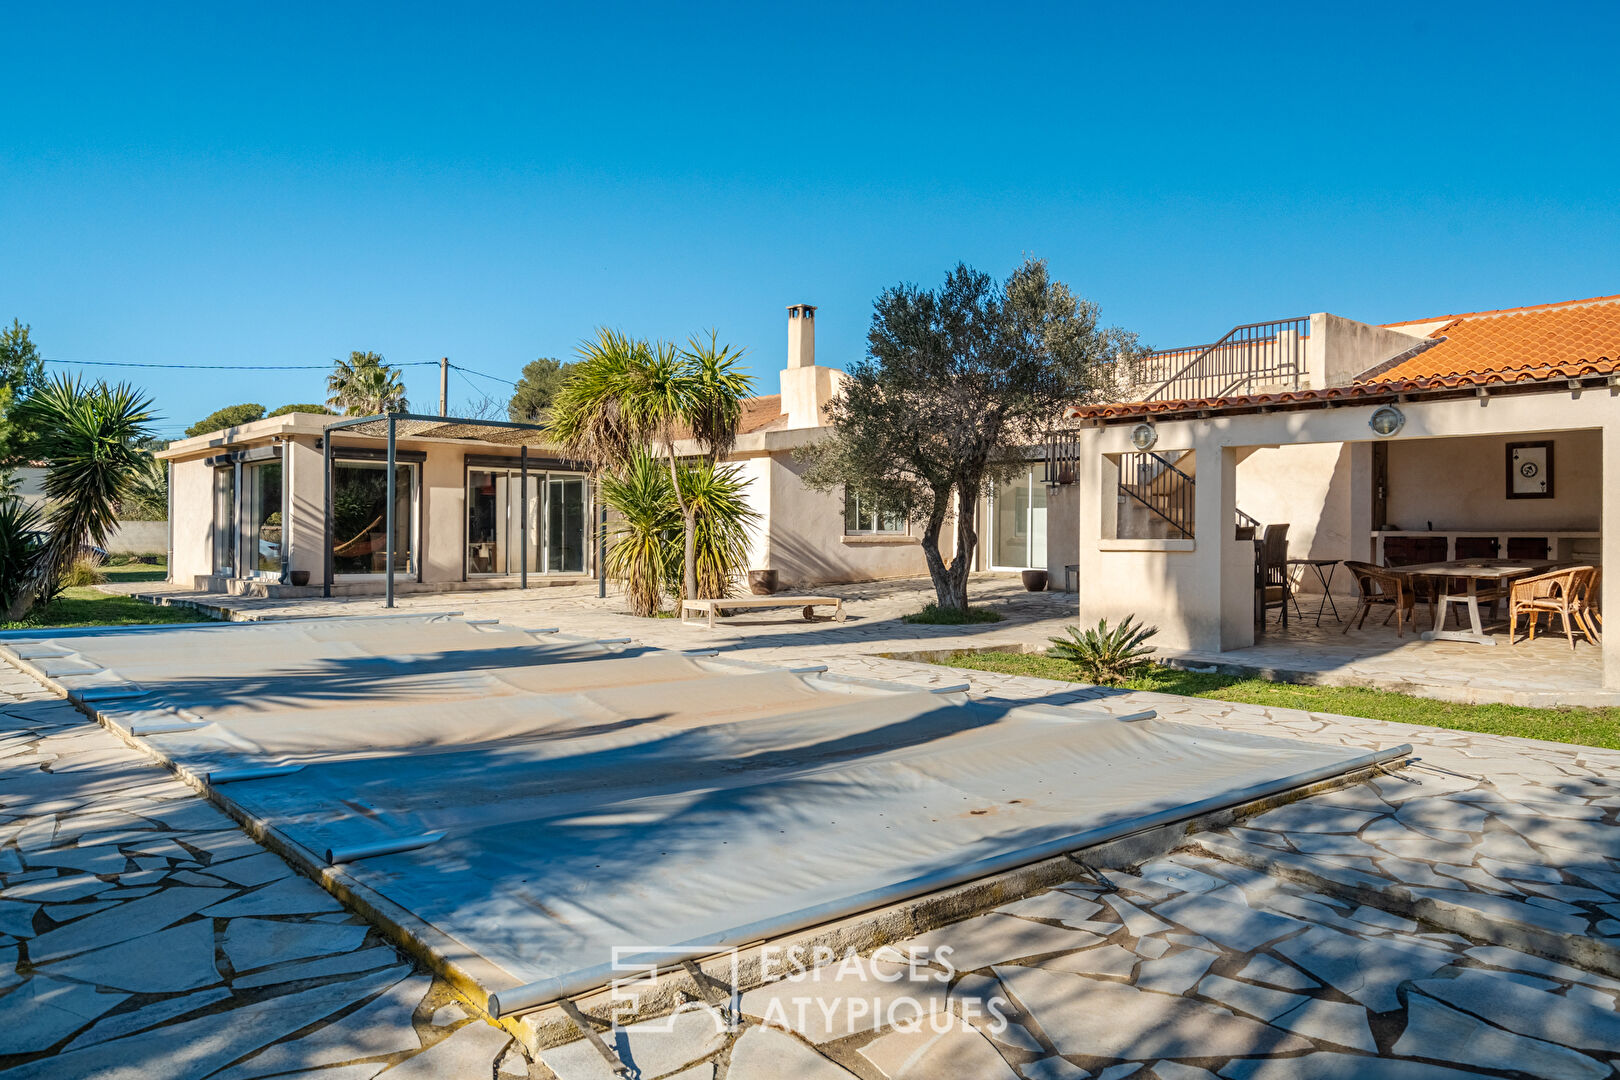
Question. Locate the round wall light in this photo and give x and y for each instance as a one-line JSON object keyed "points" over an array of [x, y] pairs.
{"points": [[1143, 436], [1386, 420]]}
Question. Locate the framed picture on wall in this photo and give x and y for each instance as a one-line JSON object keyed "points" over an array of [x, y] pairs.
{"points": [[1530, 470]]}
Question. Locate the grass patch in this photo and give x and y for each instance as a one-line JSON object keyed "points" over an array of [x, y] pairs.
{"points": [[130, 570], [1582, 726], [934, 615], [92, 607]]}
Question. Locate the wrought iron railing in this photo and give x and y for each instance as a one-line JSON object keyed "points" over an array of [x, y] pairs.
{"points": [[1153, 481], [1248, 357]]}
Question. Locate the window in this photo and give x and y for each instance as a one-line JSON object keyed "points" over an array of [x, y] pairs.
{"points": [[261, 524], [359, 517], [1018, 523], [862, 515], [556, 530], [225, 520]]}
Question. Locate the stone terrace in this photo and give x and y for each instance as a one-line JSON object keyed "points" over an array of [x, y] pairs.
{"points": [[1401, 918]]}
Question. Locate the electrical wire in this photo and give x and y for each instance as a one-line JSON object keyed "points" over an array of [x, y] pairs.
{"points": [[227, 367]]}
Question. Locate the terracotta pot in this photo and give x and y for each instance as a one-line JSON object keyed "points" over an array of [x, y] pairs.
{"points": [[1035, 580], [762, 582], [299, 578]]}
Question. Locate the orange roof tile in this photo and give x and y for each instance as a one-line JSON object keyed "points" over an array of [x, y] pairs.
{"points": [[760, 413], [1549, 337], [1381, 388]]}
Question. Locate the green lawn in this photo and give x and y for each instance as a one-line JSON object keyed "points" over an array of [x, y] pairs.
{"points": [[1586, 727], [89, 606]]}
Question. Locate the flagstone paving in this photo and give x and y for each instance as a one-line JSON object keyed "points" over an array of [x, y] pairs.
{"points": [[1460, 919]]}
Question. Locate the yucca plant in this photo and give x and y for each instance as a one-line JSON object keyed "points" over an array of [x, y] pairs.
{"points": [[21, 539], [640, 539], [1107, 655], [88, 436], [714, 494]]}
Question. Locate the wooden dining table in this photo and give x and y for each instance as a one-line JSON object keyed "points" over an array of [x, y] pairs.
{"points": [[1470, 573]]}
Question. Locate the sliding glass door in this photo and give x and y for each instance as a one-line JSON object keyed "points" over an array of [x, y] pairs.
{"points": [[261, 519], [360, 515], [1018, 523], [495, 526], [225, 520], [565, 525]]}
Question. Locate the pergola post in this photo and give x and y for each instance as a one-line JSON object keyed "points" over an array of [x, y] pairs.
{"points": [[601, 543], [388, 518], [326, 515], [523, 516]]}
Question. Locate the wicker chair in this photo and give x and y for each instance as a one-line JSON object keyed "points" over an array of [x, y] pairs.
{"points": [[1275, 585], [1557, 592], [1379, 586]]}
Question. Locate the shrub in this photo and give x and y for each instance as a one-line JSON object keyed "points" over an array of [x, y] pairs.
{"points": [[21, 549], [935, 615], [85, 570], [1106, 656], [641, 496], [715, 494]]}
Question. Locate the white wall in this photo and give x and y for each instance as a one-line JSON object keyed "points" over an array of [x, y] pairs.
{"points": [[1462, 484]]}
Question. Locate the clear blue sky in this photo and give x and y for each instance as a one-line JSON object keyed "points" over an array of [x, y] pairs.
{"points": [[279, 184]]}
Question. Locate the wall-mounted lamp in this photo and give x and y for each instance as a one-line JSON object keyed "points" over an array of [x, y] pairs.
{"points": [[1386, 420], [1143, 436]]}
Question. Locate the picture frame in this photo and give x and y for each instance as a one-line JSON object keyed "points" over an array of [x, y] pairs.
{"points": [[1530, 470]]}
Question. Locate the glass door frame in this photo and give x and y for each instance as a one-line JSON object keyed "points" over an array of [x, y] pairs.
{"points": [[541, 474], [247, 560], [415, 463], [1029, 522]]}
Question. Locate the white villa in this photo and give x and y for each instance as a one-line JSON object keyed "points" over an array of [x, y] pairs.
{"points": [[1379, 443]]}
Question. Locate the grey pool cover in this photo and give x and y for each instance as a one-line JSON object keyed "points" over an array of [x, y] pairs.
{"points": [[594, 795]]}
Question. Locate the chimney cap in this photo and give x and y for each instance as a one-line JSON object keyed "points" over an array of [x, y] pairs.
{"points": [[801, 307]]}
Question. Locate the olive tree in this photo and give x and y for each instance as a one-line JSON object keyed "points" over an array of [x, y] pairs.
{"points": [[957, 385]]}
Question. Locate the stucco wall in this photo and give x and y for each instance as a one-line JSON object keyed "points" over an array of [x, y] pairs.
{"points": [[1462, 484], [191, 509], [1315, 489], [444, 513], [807, 542], [1197, 591]]}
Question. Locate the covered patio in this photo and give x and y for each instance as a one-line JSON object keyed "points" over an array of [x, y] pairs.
{"points": [[1443, 485]]}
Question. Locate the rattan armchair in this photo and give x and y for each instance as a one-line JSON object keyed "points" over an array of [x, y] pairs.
{"points": [[1557, 592], [1379, 586]]}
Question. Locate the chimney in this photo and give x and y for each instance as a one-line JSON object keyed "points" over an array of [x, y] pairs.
{"points": [[801, 336], [806, 388]]}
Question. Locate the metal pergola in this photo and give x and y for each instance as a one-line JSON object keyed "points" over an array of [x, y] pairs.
{"points": [[392, 426]]}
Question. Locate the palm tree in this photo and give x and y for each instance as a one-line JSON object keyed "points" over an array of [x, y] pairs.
{"points": [[363, 385], [627, 393], [88, 436]]}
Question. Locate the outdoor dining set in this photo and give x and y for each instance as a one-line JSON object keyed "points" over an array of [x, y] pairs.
{"points": [[1528, 588]]}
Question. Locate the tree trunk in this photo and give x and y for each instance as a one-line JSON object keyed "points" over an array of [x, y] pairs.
{"points": [[937, 571], [967, 541], [689, 517]]}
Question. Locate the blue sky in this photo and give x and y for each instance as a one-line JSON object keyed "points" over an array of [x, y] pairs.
{"points": [[280, 184]]}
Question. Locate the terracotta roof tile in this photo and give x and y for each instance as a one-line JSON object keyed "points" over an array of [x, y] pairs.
{"points": [[1549, 337], [761, 413], [1383, 387]]}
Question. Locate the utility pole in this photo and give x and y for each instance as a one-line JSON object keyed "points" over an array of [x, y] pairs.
{"points": [[444, 386]]}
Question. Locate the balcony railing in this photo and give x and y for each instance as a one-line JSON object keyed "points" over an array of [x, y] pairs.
{"points": [[1248, 358]]}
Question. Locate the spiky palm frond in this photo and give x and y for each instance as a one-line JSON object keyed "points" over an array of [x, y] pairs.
{"points": [[88, 436], [715, 495], [1106, 655], [719, 386], [148, 496], [639, 540], [21, 538]]}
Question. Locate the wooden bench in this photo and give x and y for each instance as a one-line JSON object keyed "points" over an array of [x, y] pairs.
{"points": [[809, 603]]}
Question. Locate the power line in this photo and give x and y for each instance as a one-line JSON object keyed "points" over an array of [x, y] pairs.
{"points": [[480, 374], [229, 367]]}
